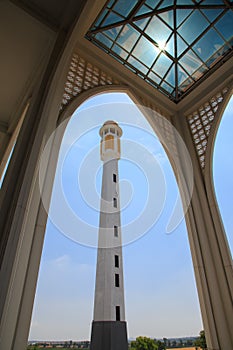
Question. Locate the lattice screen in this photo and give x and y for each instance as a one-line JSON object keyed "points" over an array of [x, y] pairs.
{"points": [[83, 76], [200, 123], [164, 128]]}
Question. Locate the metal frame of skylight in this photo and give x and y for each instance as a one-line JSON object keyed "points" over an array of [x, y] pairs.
{"points": [[176, 95]]}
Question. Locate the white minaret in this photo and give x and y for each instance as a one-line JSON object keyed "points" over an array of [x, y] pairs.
{"points": [[109, 326]]}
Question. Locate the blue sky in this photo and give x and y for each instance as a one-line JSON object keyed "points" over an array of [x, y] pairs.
{"points": [[160, 292], [223, 170]]}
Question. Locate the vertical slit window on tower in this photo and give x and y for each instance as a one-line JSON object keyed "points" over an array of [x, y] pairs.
{"points": [[115, 202], [116, 231], [114, 177], [118, 313], [117, 280], [116, 260]]}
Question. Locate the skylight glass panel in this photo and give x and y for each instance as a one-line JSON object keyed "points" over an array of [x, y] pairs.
{"points": [[111, 17], [143, 10], [139, 66], [106, 41], [162, 64], [166, 3], [119, 51], [213, 2], [208, 45], [169, 46], [199, 72], [165, 43], [145, 51], [182, 75], [110, 3], [181, 16], [225, 25], [128, 37], [113, 32], [154, 77], [100, 18], [181, 45], [186, 85], [168, 17], [184, 2], [152, 3], [211, 14], [193, 27], [158, 31], [124, 7], [170, 78], [190, 62], [141, 23], [167, 87]]}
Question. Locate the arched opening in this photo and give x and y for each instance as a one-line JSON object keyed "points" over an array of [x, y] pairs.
{"points": [[159, 279], [223, 170]]}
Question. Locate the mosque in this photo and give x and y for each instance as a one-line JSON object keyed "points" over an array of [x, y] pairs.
{"points": [[173, 57]]}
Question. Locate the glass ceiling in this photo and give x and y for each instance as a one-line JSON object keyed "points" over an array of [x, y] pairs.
{"points": [[170, 44]]}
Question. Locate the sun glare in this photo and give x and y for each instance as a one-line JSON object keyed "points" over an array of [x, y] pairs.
{"points": [[161, 45]]}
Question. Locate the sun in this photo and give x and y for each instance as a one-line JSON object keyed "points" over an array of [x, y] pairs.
{"points": [[161, 45]]}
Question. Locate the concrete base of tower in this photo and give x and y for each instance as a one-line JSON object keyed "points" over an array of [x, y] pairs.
{"points": [[109, 335]]}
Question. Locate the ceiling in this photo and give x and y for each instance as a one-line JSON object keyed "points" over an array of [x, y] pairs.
{"points": [[172, 45], [56, 14], [121, 29], [28, 32]]}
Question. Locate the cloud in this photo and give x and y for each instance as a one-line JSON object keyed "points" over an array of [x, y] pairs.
{"points": [[62, 305]]}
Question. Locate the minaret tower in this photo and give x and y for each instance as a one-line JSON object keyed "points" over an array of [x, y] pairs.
{"points": [[109, 326]]}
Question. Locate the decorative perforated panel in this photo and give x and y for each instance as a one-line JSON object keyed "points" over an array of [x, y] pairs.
{"points": [[162, 126], [200, 123], [82, 76]]}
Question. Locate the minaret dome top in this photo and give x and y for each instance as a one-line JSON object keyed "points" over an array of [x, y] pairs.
{"points": [[110, 147], [112, 127]]}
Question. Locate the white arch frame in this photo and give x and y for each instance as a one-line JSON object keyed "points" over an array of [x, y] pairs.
{"points": [[29, 219], [208, 174]]}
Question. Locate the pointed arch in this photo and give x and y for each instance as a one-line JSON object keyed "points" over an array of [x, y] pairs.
{"points": [[161, 128], [208, 175], [218, 185]]}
